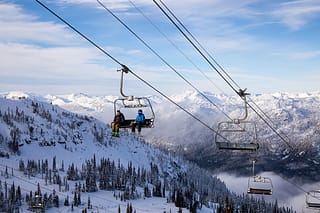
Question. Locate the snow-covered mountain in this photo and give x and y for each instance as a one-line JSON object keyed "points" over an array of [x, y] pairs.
{"points": [[295, 117], [69, 162]]}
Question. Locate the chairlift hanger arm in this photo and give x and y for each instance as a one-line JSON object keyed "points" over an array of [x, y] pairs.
{"points": [[124, 69], [243, 94]]}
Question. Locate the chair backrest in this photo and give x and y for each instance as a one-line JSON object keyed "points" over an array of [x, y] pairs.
{"points": [[234, 135], [313, 199]]}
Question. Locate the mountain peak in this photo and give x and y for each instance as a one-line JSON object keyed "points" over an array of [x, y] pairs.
{"points": [[15, 95]]}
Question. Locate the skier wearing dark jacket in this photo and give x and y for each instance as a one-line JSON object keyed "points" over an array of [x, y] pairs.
{"points": [[117, 121], [140, 120]]}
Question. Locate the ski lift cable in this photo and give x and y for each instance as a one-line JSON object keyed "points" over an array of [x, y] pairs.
{"points": [[200, 45], [161, 58], [270, 120], [77, 31], [221, 68], [197, 48], [125, 67], [181, 52], [211, 64], [270, 126], [239, 92], [300, 188], [148, 84], [173, 102], [175, 46]]}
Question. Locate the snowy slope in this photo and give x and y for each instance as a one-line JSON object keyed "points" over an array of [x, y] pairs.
{"points": [[45, 132], [295, 115], [46, 148]]}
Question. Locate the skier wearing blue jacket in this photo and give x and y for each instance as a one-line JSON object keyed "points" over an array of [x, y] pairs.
{"points": [[140, 120]]}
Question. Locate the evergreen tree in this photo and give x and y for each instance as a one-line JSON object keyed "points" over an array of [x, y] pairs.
{"points": [[56, 201], [54, 164], [38, 190], [75, 199], [89, 203], [66, 201]]}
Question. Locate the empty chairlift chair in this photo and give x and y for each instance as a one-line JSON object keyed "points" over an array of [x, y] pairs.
{"points": [[129, 106], [37, 204], [238, 134], [259, 185], [313, 199]]}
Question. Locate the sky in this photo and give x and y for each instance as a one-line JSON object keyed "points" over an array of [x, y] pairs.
{"points": [[265, 46]]}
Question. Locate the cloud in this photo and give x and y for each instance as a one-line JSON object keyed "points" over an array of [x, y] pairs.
{"points": [[35, 61], [122, 5], [50, 50], [209, 8], [39, 56], [296, 14], [211, 22], [55, 70], [16, 25]]}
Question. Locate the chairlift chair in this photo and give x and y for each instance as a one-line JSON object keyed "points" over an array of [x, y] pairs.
{"points": [[129, 106], [258, 184], [313, 199], [237, 129], [37, 204]]}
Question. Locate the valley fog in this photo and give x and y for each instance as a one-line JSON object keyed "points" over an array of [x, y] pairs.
{"points": [[286, 192]]}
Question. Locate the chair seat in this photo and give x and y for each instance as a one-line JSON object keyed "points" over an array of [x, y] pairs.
{"points": [[237, 146], [313, 205], [259, 191], [128, 123]]}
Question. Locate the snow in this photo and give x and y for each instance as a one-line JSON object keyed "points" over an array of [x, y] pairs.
{"points": [[294, 114], [127, 148], [17, 95]]}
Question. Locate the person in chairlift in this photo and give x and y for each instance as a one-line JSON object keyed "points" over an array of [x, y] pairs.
{"points": [[139, 121]]}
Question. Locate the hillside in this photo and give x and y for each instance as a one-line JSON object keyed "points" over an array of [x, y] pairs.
{"points": [[68, 162], [294, 116]]}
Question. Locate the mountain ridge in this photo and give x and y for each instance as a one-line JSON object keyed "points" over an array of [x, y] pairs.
{"points": [[43, 144], [294, 115]]}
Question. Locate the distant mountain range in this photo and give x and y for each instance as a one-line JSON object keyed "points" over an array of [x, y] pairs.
{"points": [[295, 117], [63, 161]]}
